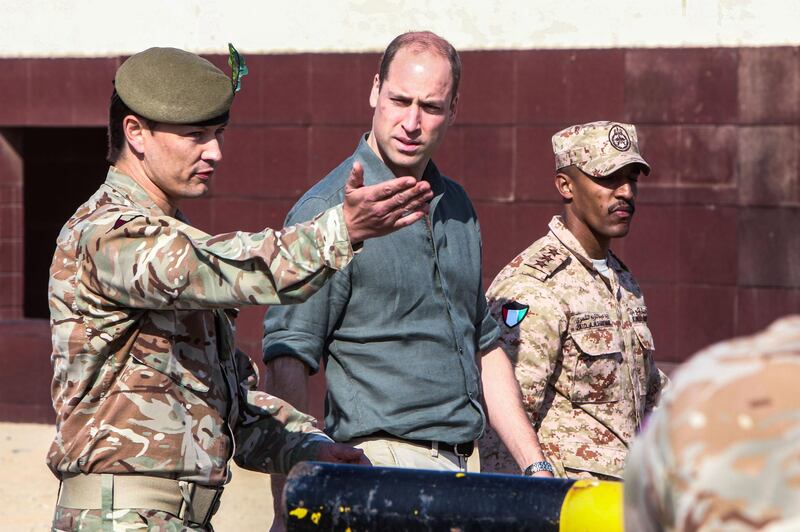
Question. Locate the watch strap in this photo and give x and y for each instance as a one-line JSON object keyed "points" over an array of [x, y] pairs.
{"points": [[538, 466]]}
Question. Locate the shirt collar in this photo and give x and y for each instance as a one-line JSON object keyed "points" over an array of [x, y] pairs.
{"points": [[569, 241], [375, 171], [128, 187]]}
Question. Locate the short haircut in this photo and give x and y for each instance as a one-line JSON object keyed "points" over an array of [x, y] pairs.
{"points": [[571, 171], [118, 110], [421, 41]]}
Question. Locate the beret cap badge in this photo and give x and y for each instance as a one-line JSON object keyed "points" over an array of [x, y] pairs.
{"points": [[238, 67]]}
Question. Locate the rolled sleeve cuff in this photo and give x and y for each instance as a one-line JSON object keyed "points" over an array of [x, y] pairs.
{"points": [[303, 347], [489, 333], [337, 250]]}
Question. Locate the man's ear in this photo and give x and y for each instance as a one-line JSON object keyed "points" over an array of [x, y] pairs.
{"points": [[564, 185], [134, 132], [451, 114], [373, 94]]}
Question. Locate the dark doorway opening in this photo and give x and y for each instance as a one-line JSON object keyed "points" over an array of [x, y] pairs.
{"points": [[62, 167]]}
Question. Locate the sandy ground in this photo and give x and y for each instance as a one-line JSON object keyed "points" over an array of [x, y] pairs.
{"points": [[29, 489]]}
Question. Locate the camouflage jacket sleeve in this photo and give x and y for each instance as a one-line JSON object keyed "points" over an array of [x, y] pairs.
{"points": [[271, 436], [141, 261], [647, 480], [534, 345], [721, 452]]}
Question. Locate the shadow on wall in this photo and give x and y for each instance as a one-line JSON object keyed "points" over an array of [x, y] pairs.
{"points": [[60, 168]]}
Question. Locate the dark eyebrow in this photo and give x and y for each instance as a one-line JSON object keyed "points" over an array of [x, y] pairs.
{"points": [[406, 98], [434, 103], [397, 95]]}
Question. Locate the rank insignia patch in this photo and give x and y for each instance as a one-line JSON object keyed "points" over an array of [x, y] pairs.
{"points": [[514, 313]]}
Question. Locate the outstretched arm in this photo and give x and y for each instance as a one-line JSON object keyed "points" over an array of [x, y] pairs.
{"points": [[143, 261]]}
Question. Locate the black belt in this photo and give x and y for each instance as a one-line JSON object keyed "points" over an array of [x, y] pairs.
{"points": [[461, 449]]}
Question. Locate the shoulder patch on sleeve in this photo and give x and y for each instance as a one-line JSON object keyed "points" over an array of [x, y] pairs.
{"points": [[546, 261], [514, 313]]}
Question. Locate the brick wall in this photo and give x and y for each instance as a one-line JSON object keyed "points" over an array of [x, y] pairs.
{"points": [[714, 244]]}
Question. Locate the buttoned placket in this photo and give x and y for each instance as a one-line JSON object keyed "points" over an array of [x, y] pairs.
{"points": [[626, 328], [443, 288]]}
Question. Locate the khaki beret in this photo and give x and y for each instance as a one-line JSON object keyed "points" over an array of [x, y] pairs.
{"points": [[173, 86], [598, 148]]}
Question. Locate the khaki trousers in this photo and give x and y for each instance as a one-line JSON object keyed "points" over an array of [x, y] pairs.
{"points": [[387, 452]]}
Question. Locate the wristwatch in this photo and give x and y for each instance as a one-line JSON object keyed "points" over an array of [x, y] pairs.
{"points": [[538, 466]]}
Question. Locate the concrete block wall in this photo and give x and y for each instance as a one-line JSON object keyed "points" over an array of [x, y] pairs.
{"points": [[715, 242]]}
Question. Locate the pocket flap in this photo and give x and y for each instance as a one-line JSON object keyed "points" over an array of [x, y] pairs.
{"points": [[597, 340], [645, 336]]}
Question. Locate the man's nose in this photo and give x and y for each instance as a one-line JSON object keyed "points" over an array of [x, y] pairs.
{"points": [[212, 151], [411, 119], [626, 191]]}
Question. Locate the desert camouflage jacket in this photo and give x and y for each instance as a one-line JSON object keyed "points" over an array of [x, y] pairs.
{"points": [[583, 355], [723, 450], [147, 378]]}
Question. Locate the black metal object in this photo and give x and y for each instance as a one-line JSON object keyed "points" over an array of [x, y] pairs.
{"points": [[340, 497]]}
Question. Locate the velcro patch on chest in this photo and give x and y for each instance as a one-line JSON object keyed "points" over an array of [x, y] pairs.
{"points": [[514, 313]]}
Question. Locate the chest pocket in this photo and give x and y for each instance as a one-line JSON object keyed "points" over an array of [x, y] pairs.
{"points": [[172, 344], [645, 337], [167, 364], [639, 319], [596, 370]]}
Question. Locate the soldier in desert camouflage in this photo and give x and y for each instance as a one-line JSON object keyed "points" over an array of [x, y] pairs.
{"points": [[149, 389], [573, 318], [722, 451]]}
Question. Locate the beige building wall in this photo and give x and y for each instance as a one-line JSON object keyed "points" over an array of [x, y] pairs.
{"points": [[96, 28]]}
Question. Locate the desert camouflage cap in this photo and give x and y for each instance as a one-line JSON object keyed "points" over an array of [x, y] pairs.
{"points": [[598, 148], [173, 86]]}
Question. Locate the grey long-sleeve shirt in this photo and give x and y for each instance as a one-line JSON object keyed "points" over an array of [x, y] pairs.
{"points": [[400, 327]]}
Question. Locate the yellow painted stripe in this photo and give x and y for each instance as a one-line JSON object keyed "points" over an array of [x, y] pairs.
{"points": [[592, 505]]}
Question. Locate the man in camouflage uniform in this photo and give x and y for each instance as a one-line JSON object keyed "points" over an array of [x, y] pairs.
{"points": [[149, 390], [573, 318], [722, 452]]}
